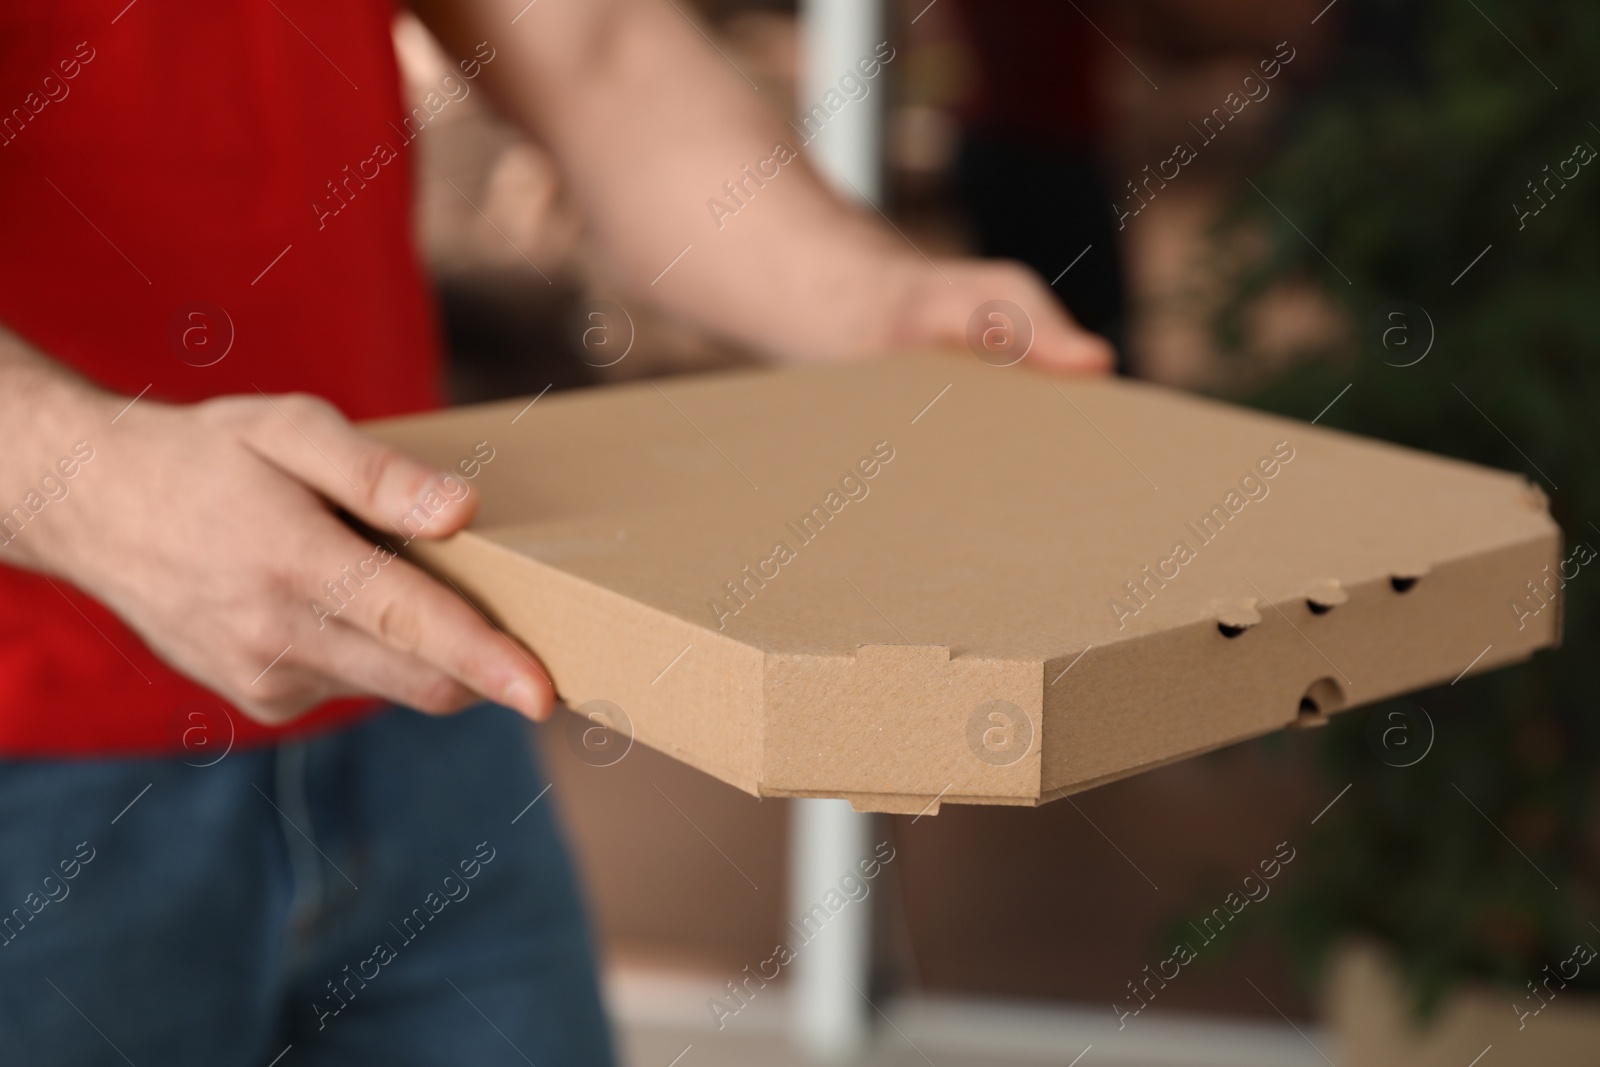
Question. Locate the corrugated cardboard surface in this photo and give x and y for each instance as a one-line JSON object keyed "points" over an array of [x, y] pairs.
{"points": [[926, 579]]}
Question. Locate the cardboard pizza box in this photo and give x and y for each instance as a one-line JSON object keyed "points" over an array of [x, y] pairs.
{"points": [[929, 580]]}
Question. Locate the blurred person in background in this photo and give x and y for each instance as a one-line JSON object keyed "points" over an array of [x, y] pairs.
{"points": [[223, 836], [1043, 123], [1034, 131]]}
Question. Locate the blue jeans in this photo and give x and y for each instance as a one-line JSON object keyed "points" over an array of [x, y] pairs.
{"points": [[381, 894]]}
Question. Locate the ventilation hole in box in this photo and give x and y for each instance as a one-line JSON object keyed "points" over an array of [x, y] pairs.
{"points": [[1230, 631], [1402, 585], [1322, 697], [1318, 609]]}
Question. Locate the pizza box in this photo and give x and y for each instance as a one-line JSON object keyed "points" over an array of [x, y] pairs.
{"points": [[928, 580]]}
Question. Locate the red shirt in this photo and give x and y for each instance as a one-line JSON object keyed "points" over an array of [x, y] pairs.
{"points": [[167, 159], [1037, 66]]}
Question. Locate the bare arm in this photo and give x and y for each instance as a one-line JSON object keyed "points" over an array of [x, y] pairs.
{"points": [[648, 122]]}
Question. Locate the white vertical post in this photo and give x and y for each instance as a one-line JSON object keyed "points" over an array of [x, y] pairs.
{"points": [[835, 36], [831, 1018]]}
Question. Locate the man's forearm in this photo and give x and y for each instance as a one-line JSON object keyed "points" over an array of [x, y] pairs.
{"points": [[649, 123]]}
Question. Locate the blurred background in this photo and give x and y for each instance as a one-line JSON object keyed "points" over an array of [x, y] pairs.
{"points": [[1347, 162]]}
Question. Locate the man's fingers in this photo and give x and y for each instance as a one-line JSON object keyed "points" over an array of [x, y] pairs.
{"points": [[1058, 341], [942, 309], [362, 664], [410, 612], [283, 692], [310, 440], [1060, 345]]}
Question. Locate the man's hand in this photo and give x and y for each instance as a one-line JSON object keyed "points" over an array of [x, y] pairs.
{"points": [[209, 529], [937, 304]]}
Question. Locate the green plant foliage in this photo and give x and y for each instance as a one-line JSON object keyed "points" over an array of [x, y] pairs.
{"points": [[1481, 861]]}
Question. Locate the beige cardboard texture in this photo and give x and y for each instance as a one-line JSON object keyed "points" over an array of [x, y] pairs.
{"points": [[927, 580]]}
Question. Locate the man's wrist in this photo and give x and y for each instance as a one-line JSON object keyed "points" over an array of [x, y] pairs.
{"points": [[56, 423]]}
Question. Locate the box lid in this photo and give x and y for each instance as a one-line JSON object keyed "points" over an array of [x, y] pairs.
{"points": [[926, 580]]}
